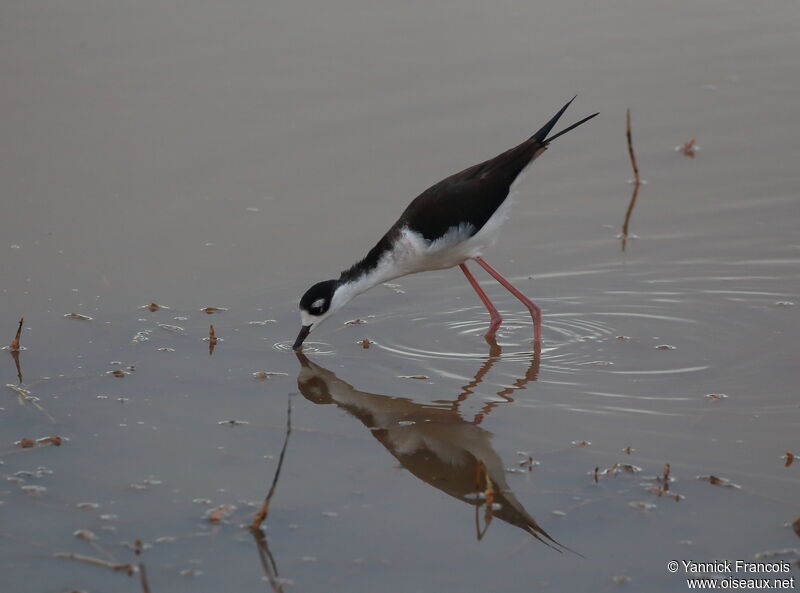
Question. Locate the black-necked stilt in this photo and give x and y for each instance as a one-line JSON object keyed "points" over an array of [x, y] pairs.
{"points": [[446, 225]]}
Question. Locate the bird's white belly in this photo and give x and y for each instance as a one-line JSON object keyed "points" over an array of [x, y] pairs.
{"points": [[413, 253]]}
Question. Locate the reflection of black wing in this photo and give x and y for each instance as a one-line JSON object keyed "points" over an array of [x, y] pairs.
{"points": [[459, 481]]}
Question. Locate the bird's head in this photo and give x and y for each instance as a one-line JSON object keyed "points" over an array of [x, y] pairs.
{"points": [[317, 304]]}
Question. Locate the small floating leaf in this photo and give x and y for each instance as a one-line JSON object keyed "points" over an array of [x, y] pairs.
{"points": [[688, 148], [153, 307], [420, 377], [717, 481], [212, 310], [78, 316], [219, 513], [716, 396], [264, 375]]}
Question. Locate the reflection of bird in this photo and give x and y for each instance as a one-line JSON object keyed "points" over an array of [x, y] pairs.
{"points": [[448, 224], [432, 441]]}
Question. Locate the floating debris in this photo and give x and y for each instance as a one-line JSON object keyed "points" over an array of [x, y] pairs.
{"points": [[264, 322], [25, 397], [142, 336], [365, 343], [264, 375], [420, 377], [175, 329], [784, 304], [153, 307], [716, 396], [87, 506], [717, 481], [620, 579], [212, 310], [78, 316], [355, 322], [665, 347], [118, 373], [232, 422], [796, 526], [219, 513], [127, 568], [642, 506], [788, 458], [628, 450], [33, 490], [166, 349], [25, 443], [688, 148], [623, 338], [581, 443], [529, 463], [53, 440]]}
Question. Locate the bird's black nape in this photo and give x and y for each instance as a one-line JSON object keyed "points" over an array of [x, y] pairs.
{"points": [[541, 135]]}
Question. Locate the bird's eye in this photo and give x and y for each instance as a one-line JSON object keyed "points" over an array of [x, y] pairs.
{"points": [[317, 306]]}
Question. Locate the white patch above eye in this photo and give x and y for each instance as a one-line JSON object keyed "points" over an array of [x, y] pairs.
{"points": [[318, 303]]}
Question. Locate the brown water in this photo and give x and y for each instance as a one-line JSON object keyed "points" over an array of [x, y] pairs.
{"points": [[230, 154]]}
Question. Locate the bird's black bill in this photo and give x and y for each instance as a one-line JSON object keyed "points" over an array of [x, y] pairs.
{"points": [[298, 343], [545, 130], [572, 127], [541, 135]]}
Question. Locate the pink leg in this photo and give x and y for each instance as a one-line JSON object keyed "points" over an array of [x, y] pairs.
{"points": [[536, 313], [493, 314]]}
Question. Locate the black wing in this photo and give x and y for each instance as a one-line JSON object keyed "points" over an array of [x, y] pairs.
{"points": [[474, 194]]}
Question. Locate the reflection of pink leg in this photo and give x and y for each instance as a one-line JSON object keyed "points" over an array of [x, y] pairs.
{"points": [[495, 316], [536, 313]]}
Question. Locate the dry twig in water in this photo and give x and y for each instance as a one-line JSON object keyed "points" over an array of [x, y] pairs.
{"points": [[637, 180], [14, 345], [115, 566]]}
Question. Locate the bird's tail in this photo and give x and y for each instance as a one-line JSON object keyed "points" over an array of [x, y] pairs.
{"points": [[541, 135]]}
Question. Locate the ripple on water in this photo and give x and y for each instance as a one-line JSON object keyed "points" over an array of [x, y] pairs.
{"points": [[309, 347], [569, 339]]}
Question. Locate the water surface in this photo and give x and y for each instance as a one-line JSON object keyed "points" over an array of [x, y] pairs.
{"points": [[195, 154]]}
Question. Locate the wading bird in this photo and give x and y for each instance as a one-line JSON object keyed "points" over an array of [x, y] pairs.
{"points": [[449, 223]]}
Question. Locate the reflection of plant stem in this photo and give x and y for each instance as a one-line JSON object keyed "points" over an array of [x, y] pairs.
{"points": [[143, 578], [264, 554], [15, 356], [637, 180], [267, 560], [264, 510]]}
